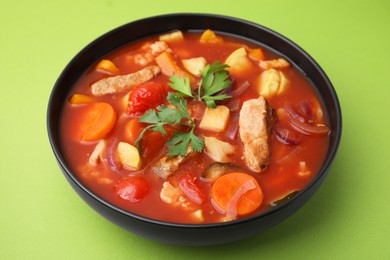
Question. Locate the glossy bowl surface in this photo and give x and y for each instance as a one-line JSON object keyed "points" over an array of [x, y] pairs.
{"points": [[186, 234]]}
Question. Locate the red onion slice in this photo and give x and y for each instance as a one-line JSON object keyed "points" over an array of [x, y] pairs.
{"points": [[306, 108], [309, 129], [111, 157], [240, 89], [293, 113], [305, 125], [285, 136], [231, 208]]}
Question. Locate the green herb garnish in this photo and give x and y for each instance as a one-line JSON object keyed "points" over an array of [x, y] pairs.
{"points": [[214, 79], [178, 144]]}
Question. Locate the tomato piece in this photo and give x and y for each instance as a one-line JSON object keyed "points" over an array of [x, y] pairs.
{"points": [[153, 143], [133, 128], [146, 96], [133, 189], [191, 190]]}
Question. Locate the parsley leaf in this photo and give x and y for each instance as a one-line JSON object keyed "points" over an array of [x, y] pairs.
{"points": [[214, 79], [180, 141], [181, 84]]}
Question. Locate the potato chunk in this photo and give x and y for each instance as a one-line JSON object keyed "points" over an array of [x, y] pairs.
{"points": [[217, 149], [194, 65], [173, 36], [128, 156], [238, 61], [271, 83], [215, 119]]}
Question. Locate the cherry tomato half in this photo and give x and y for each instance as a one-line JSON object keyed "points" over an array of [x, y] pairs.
{"points": [[133, 189], [146, 96]]}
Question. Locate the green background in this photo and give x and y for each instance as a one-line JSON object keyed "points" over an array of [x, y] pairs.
{"points": [[41, 217]]}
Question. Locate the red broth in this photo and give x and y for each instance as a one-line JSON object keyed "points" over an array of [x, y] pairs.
{"points": [[295, 158]]}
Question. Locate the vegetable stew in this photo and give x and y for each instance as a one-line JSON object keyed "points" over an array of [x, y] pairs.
{"points": [[194, 127]]}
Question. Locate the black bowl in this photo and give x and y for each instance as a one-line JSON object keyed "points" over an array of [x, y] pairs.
{"points": [[194, 234]]}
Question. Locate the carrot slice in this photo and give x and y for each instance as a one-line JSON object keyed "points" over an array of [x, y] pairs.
{"points": [[107, 66], [133, 128], [100, 119], [77, 99], [209, 36], [236, 193], [256, 53], [169, 67]]}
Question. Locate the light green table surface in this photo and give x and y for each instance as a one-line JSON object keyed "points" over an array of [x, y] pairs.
{"points": [[41, 217]]}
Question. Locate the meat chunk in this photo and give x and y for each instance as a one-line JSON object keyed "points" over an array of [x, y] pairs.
{"points": [[159, 47], [119, 83], [167, 165], [256, 118]]}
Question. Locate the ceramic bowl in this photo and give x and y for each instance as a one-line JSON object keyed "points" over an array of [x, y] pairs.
{"points": [[193, 234]]}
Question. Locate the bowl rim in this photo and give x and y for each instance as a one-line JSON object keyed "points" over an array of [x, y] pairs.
{"points": [[320, 174]]}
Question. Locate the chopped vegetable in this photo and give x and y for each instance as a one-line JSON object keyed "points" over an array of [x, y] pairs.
{"points": [[304, 126], [238, 61], [257, 54], [97, 153], [146, 96], [217, 169], [100, 119], [236, 194], [77, 99], [191, 189], [286, 136], [240, 89], [107, 66], [129, 156], [209, 36], [178, 144], [194, 65], [132, 130], [215, 119], [271, 83], [173, 36], [169, 67], [133, 189], [217, 149], [112, 159], [284, 199]]}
